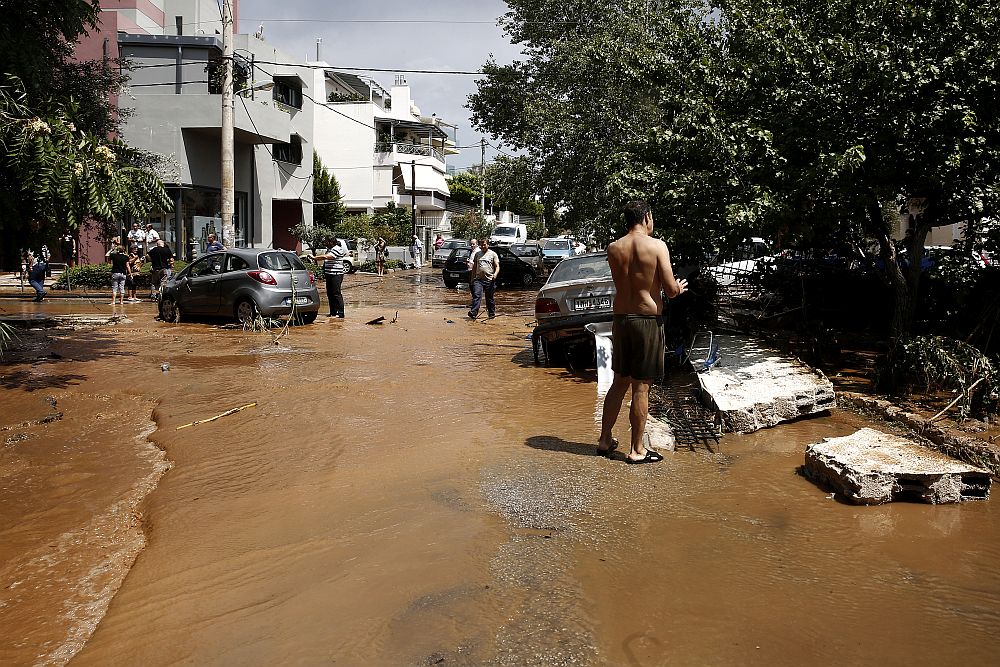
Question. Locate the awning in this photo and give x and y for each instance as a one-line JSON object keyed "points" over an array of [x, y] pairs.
{"points": [[428, 178]]}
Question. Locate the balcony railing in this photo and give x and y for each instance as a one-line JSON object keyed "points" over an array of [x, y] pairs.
{"points": [[409, 149]]}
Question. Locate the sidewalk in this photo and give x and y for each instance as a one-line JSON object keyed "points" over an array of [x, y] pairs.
{"points": [[11, 287]]}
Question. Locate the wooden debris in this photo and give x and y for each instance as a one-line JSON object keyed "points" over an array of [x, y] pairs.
{"points": [[224, 414]]}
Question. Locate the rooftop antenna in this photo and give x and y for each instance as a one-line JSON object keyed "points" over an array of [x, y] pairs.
{"points": [[319, 48]]}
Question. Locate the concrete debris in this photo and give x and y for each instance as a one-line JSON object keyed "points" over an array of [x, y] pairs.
{"points": [[660, 435], [754, 387], [870, 467]]}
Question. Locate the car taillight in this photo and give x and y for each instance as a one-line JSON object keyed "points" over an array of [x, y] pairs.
{"points": [[312, 278], [262, 277], [546, 306]]}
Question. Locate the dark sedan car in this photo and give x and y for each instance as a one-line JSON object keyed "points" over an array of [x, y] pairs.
{"points": [[513, 270], [242, 283]]}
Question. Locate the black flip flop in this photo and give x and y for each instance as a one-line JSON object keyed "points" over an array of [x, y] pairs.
{"points": [[651, 456], [610, 451]]}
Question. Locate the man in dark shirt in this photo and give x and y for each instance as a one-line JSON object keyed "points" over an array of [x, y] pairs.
{"points": [[163, 261], [36, 276]]}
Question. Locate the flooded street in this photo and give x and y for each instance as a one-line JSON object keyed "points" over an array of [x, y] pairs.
{"points": [[420, 493]]}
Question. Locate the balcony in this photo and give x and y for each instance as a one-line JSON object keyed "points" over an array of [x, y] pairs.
{"points": [[402, 148]]}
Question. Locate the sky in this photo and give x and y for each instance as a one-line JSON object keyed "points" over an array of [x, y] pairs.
{"points": [[452, 35]]}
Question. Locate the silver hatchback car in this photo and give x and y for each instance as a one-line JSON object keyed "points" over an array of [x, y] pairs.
{"points": [[242, 283]]}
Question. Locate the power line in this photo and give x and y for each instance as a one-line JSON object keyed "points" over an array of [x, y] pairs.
{"points": [[371, 69]]}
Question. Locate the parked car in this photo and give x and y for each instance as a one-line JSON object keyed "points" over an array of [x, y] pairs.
{"points": [[440, 255], [350, 248], [531, 252], [241, 283], [579, 291], [556, 250], [506, 234], [513, 270]]}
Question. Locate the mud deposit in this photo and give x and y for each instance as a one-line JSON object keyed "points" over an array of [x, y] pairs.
{"points": [[419, 493]]}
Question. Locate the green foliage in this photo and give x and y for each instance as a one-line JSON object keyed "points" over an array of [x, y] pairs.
{"points": [[466, 187], [328, 206], [470, 225], [98, 276], [803, 123], [7, 337], [394, 224], [358, 227], [512, 180], [314, 236], [937, 363]]}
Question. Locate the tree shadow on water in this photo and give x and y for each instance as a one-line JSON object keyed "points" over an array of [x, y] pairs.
{"points": [[552, 443], [45, 352]]}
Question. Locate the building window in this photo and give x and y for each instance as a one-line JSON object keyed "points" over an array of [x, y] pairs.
{"points": [[290, 152], [288, 94]]}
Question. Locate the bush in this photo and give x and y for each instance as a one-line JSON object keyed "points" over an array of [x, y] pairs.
{"points": [[937, 363], [98, 276], [371, 267]]}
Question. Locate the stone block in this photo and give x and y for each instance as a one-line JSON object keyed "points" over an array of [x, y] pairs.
{"points": [[754, 387], [870, 467]]}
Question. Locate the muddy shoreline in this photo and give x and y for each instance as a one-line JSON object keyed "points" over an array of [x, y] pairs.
{"points": [[421, 493]]}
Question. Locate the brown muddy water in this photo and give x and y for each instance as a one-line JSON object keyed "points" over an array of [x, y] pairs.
{"points": [[419, 493]]}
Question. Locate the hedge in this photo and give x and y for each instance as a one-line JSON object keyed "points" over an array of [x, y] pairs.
{"points": [[98, 276]]}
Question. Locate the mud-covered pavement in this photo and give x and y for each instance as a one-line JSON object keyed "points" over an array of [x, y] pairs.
{"points": [[420, 493]]}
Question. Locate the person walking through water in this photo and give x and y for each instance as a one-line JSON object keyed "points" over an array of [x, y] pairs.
{"points": [[380, 249], [640, 268], [485, 268], [333, 271], [417, 251]]}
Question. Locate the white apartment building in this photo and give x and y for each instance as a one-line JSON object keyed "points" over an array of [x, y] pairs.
{"points": [[380, 147]]}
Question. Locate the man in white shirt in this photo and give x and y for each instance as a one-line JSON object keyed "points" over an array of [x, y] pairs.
{"points": [[151, 237], [136, 240], [417, 251]]}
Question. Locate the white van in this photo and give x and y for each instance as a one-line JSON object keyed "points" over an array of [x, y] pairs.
{"points": [[509, 233]]}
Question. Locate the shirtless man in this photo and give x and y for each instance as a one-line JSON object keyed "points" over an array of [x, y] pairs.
{"points": [[640, 267]]}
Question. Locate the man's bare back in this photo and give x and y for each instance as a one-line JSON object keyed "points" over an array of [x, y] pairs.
{"points": [[640, 267]]}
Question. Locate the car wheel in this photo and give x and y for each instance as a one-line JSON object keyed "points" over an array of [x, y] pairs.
{"points": [[306, 318], [246, 311], [451, 284], [169, 312], [527, 278], [348, 266]]}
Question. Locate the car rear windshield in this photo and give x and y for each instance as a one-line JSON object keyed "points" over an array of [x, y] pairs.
{"points": [[455, 243], [524, 250], [462, 253], [594, 267], [557, 245], [279, 261]]}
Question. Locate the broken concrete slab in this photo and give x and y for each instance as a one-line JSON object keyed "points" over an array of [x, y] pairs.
{"points": [[870, 467], [753, 386]]}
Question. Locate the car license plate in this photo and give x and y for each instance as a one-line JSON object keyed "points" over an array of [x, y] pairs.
{"points": [[592, 303], [452, 274], [301, 300]]}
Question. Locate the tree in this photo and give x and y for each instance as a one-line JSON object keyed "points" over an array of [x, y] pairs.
{"points": [[466, 187], [512, 179], [328, 206], [470, 225], [59, 165], [58, 174], [806, 123], [394, 223]]}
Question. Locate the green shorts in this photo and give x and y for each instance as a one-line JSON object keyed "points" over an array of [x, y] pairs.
{"points": [[637, 346]]}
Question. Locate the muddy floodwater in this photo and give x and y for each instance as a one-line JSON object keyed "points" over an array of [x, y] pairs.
{"points": [[420, 493]]}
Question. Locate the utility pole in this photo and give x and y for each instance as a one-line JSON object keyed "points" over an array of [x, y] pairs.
{"points": [[413, 195], [482, 176], [228, 166]]}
